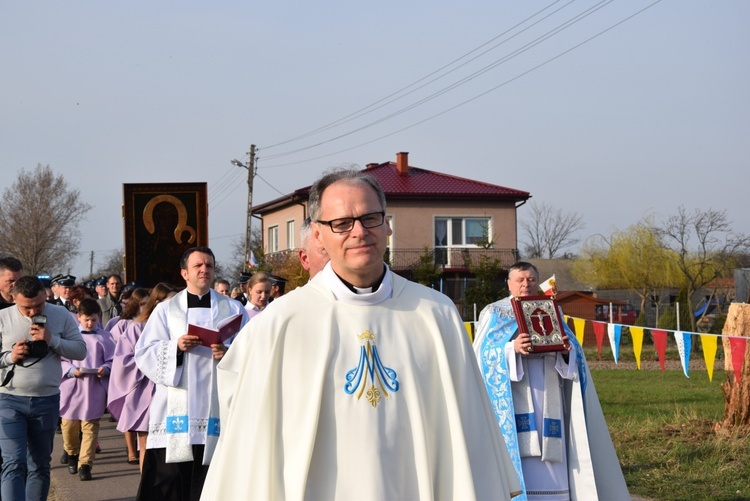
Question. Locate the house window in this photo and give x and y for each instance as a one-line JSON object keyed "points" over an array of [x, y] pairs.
{"points": [[273, 239], [290, 234], [461, 231], [453, 233]]}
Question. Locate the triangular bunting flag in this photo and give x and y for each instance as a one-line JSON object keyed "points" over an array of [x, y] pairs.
{"points": [[637, 334], [738, 345], [470, 330], [660, 343], [684, 341], [599, 334], [580, 325], [614, 332], [708, 342]]}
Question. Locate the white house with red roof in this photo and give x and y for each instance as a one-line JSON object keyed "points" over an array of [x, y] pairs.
{"points": [[455, 218]]}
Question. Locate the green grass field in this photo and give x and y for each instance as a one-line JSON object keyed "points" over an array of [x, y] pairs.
{"points": [[662, 427]]}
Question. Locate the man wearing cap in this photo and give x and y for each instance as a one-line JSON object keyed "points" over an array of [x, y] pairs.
{"points": [[278, 285], [11, 270], [110, 303], [242, 282], [100, 285], [184, 414], [359, 385], [64, 283], [55, 289]]}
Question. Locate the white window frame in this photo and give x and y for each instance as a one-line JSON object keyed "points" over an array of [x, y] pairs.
{"points": [[290, 233], [273, 239], [450, 221]]}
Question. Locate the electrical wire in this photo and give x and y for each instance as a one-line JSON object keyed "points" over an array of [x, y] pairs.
{"points": [[506, 82], [374, 106], [540, 39]]}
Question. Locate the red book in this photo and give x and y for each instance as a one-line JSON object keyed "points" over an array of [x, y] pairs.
{"points": [[226, 329]]}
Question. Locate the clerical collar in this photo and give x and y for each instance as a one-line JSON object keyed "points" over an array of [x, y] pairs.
{"points": [[366, 290], [195, 301], [341, 292]]}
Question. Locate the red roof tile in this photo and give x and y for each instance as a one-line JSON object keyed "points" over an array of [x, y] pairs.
{"points": [[425, 182], [417, 183]]}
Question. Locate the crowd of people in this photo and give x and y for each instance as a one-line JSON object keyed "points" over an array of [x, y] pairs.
{"points": [[358, 385]]}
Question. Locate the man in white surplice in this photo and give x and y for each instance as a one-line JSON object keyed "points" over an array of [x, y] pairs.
{"points": [[359, 385], [184, 416], [546, 406]]}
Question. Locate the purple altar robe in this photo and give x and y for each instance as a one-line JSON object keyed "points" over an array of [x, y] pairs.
{"points": [[118, 326], [130, 391], [84, 398]]}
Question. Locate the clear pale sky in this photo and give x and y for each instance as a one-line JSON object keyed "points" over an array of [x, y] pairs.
{"points": [[648, 116]]}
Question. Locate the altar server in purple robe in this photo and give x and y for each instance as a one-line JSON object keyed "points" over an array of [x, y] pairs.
{"points": [[132, 300], [130, 391], [132, 309], [83, 391]]}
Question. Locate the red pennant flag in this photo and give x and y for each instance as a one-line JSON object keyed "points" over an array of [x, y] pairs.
{"points": [[599, 328], [738, 355], [660, 343]]}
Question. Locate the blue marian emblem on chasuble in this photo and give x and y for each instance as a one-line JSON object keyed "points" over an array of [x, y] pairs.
{"points": [[382, 378]]}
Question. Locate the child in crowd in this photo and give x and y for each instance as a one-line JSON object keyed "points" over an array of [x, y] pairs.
{"points": [[130, 391], [137, 298], [83, 391], [258, 292]]}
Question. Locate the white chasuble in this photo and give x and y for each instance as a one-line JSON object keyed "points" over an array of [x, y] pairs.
{"points": [[335, 395]]}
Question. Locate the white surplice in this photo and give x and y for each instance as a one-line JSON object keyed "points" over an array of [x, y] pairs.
{"points": [[156, 356]]}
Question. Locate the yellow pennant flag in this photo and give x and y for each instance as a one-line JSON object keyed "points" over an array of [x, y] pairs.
{"points": [[470, 330], [709, 353], [579, 324], [637, 334]]}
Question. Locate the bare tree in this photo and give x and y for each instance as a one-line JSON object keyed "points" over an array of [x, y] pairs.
{"points": [[703, 248], [40, 219], [113, 264], [549, 230], [236, 265]]}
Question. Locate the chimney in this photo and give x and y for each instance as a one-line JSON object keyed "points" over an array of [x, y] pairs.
{"points": [[402, 163]]}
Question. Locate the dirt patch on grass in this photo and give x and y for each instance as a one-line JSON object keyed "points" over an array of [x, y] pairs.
{"points": [[647, 364]]}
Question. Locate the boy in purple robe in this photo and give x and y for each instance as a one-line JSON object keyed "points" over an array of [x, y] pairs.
{"points": [[83, 391]]}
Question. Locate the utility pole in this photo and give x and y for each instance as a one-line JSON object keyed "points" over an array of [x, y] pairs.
{"points": [[248, 225], [91, 265]]}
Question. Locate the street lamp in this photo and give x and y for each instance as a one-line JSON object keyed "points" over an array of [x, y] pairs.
{"points": [[250, 175]]}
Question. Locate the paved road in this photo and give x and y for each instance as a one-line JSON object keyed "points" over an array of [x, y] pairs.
{"points": [[113, 478]]}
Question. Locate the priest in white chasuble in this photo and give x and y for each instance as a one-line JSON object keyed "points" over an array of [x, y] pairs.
{"points": [[359, 385]]}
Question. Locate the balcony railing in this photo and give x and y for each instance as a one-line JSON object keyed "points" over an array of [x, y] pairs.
{"points": [[449, 257]]}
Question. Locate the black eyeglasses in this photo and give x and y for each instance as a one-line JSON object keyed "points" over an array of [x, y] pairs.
{"points": [[344, 224]]}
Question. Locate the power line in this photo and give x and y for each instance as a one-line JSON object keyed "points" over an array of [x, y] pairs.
{"points": [[561, 54], [538, 40], [270, 185], [373, 106], [222, 191]]}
